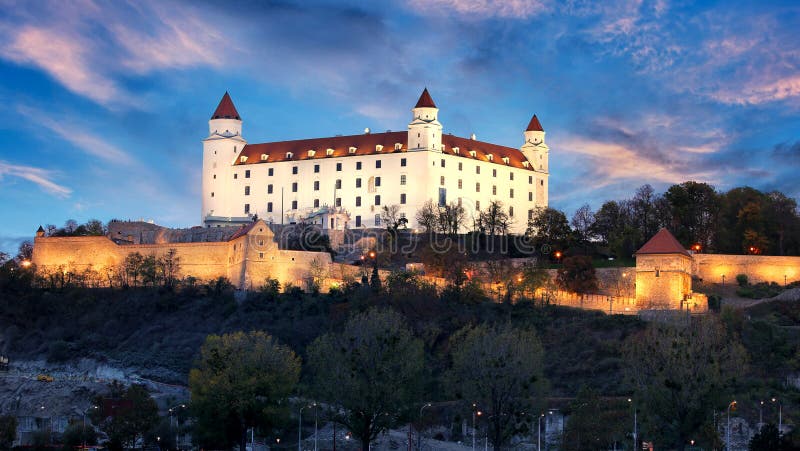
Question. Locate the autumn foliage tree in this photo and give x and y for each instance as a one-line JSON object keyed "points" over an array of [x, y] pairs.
{"points": [[577, 274]]}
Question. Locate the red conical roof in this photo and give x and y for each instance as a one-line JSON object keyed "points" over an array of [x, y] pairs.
{"points": [[425, 100], [663, 242], [534, 125], [225, 109]]}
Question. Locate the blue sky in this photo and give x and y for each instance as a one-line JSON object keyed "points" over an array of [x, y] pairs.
{"points": [[105, 104]]}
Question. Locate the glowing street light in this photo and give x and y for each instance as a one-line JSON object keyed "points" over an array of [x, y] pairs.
{"points": [[732, 405], [780, 415], [26, 263], [635, 425]]}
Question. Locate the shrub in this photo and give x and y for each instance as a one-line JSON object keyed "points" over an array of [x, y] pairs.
{"points": [[742, 280]]}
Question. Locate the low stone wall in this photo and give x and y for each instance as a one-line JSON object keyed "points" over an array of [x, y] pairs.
{"points": [[758, 268]]}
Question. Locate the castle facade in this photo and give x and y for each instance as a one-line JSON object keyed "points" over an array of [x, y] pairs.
{"points": [[344, 182]]}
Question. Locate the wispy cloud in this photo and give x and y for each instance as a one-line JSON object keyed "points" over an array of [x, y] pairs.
{"points": [[67, 130], [41, 177], [481, 9]]}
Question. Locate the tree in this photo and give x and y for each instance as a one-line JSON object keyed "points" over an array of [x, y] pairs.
{"points": [[241, 380], [494, 220], [369, 373], [390, 215], [694, 209], [131, 416], [594, 423], [500, 370], [769, 439], [644, 211], [25, 251], [549, 227], [680, 373], [577, 274], [428, 216], [8, 431], [451, 218], [582, 222]]}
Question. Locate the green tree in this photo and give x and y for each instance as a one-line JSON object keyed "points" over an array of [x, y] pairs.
{"points": [[549, 227], [693, 209], [494, 220], [133, 414], [370, 373], [75, 435], [581, 223], [8, 431], [577, 274], [680, 373], [595, 423], [500, 370], [241, 380]]}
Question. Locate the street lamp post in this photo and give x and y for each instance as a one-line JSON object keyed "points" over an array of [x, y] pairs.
{"points": [[760, 415], [177, 432], [83, 434], [315, 425], [635, 425], [300, 429], [475, 413], [419, 432], [539, 433], [780, 416], [728, 428]]}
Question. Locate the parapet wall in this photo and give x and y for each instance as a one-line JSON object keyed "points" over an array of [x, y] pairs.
{"points": [[758, 268]]}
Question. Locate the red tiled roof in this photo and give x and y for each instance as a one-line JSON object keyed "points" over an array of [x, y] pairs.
{"points": [[534, 125], [366, 145], [225, 109], [663, 242], [425, 100], [243, 230]]}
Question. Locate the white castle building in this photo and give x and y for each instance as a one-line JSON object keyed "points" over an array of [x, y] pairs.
{"points": [[344, 181]]}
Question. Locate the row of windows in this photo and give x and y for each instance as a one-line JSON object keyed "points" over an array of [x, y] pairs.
{"points": [[377, 203]]}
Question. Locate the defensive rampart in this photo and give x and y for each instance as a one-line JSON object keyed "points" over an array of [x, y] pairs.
{"points": [[759, 268]]}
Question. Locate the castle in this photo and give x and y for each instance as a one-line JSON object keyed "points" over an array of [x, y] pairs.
{"points": [[343, 182]]}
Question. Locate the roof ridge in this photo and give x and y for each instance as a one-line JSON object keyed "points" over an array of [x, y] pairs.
{"points": [[425, 100], [534, 125], [225, 109], [663, 242]]}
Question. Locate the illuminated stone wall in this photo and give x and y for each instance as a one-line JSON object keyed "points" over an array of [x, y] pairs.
{"points": [[246, 261], [758, 268], [664, 281]]}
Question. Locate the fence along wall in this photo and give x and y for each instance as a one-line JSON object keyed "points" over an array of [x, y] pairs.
{"points": [[758, 268]]}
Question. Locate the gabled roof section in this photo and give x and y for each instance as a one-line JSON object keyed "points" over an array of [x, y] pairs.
{"points": [[534, 125], [243, 230], [225, 109], [425, 100], [663, 242]]}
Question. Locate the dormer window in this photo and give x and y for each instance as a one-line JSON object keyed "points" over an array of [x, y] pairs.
{"points": [[329, 152], [525, 163], [472, 153], [352, 150], [456, 150], [506, 160], [311, 153], [264, 157], [378, 148], [490, 157], [398, 146], [289, 155], [242, 159]]}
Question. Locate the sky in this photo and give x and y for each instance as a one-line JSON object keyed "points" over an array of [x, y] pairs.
{"points": [[105, 104]]}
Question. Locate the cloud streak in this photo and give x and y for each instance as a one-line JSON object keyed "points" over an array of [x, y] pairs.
{"points": [[41, 177]]}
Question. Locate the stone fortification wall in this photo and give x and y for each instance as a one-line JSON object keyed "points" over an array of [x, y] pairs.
{"points": [[663, 281], [758, 268]]}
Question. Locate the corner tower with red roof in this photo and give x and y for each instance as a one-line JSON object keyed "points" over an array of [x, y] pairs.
{"points": [[664, 276]]}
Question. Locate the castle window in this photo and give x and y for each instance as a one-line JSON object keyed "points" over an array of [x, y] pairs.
{"points": [[441, 180], [261, 255], [478, 205], [338, 184], [338, 201], [246, 208], [269, 207], [316, 203], [402, 179], [378, 148], [212, 193], [377, 199], [352, 150], [339, 167], [658, 272], [459, 201], [398, 146], [511, 193], [269, 189], [235, 176], [525, 163], [494, 172], [377, 220], [442, 197], [329, 151], [311, 153], [247, 174], [270, 172], [442, 162], [478, 187], [316, 185], [377, 164], [460, 166], [358, 201], [477, 169], [242, 159], [294, 187], [377, 181], [511, 176], [316, 168], [494, 190], [506, 160], [358, 221], [294, 170], [472, 153], [358, 183], [460, 183], [456, 150], [358, 165], [294, 205], [541, 182], [530, 196], [289, 155], [530, 214], [419, 135], [402, 198], [530, 180], [264, 157], [490, 157], [511, 211], [246, 190], [402, 162], [215, 176]]}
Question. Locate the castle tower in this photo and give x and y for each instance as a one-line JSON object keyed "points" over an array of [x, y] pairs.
{"points": [[425, 131], [220, 150], [535, 149], [664, 275]]}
